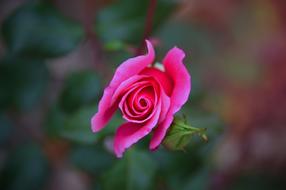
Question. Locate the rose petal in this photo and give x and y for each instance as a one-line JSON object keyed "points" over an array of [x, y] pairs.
{"points": [[140, 103], [141, 100], [125, 86], [164, 98], [175, 68], [129, 133], [127, 69], [165, 105], [133, 66], [127, 113], [182, 85], [162, 77]]}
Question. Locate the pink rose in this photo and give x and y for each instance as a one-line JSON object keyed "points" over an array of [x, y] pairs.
{"points": [[147, 96]]}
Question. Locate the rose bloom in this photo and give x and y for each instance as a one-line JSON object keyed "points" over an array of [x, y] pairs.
{"points": [[147, 95]]}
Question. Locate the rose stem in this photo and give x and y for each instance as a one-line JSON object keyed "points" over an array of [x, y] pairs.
{"points": [[148, 25], [90, 8]]}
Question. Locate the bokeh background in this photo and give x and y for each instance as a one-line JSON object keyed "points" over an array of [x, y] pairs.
{"points": [[56, 56]]}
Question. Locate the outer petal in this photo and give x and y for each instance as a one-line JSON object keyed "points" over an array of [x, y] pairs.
{"points": [[129, 133], [173, 63], [162, 78], [127, 84], [165, 106], [164, 98], [127, 69]]}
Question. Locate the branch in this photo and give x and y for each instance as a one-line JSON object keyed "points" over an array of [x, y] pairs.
{"points": [[148, 25]]}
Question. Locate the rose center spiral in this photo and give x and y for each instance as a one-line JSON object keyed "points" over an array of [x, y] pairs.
{"points": [[138, 103]]}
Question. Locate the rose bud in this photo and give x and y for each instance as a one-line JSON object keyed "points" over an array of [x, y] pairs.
{"points": [[180, 134], [147, 95]]}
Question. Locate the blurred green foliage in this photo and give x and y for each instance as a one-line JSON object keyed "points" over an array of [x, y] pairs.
{"points": [[5, 130], [22, 82], [26, 169], [129, 174], [80, 89], [124, 19], [95, 161], [37, 32], [75, 126]]}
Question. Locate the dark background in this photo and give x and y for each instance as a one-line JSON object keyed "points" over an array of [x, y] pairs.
{"points": [[56, 57]]}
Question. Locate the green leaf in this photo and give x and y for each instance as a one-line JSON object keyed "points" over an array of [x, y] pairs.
{"points": [[80, 89], [5, 129], [54, 122], [39, 30], [77, 126], [26, 169], [115, 45], [194, 40], [22, 83], [92, 159], [259, 180], [135, 171], [111, 126], [199, 180], [125, 19]]}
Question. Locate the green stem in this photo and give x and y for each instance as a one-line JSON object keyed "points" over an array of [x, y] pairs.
{"points": [[148, 25], [188, 127]]}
